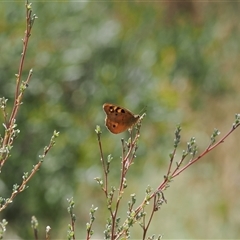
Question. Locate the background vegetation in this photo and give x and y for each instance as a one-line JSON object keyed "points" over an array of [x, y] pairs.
{"points": [[180, 59]]}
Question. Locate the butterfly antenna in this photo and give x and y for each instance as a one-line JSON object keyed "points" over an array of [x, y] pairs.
{"points": [[144, 110]]}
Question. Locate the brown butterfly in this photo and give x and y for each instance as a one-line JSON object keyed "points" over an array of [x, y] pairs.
{"points": [[118, 119]]}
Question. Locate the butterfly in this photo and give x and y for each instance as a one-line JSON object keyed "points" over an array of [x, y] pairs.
{"points": [[118, 119]]}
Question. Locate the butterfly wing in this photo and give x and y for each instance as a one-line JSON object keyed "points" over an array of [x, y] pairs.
{"points": [[114, 127], [118, 119]]}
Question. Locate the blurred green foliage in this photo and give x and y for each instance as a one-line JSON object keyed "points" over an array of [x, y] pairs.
{"points": [[180, 60]]}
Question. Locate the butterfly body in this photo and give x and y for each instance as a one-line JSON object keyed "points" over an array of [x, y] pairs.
{"points": [[118, 119]]}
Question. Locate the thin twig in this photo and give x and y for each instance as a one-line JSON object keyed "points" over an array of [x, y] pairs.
{"points": [[25, 180]]}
